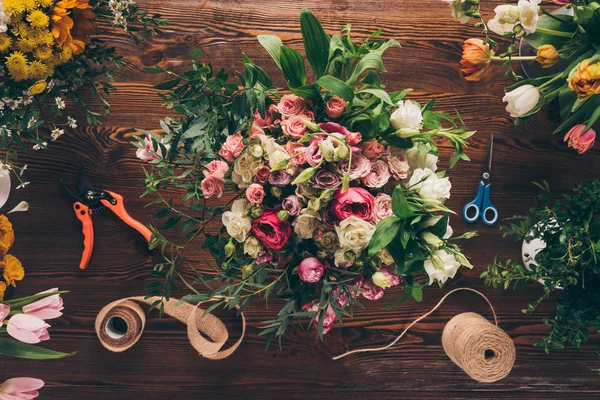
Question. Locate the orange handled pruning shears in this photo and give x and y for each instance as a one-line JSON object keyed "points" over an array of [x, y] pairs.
{"points": [[90, 201]]}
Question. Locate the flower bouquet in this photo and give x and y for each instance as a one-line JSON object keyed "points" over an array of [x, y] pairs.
{"points": [[571, 39], [48, 55], [564, 262], [334, 190]]}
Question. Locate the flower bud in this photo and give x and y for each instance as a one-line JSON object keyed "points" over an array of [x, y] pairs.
{"points": [[283, 215], [322, 253], [314, 204], [326, 150], [432, 239], [326, 195], [256, 211], [342, 152], [229, 248], [276, 191], [247, 270], [375, 262], [547, 55], [405, 133], [349, 256], [257, 151]]}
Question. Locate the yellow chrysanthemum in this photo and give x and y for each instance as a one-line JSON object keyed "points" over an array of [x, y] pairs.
{"points": [[16, 58], [2, 290], [29, 4], [38, 19], [13, 269], [20, 29], [37, 70], [45, 3], [43, 53], [47, 38], [5, 42], [26, 45], [66, 54], [14, 7], [19, 72], [38, 87]]}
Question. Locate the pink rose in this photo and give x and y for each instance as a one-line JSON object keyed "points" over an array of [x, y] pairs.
{"points": [[334, 108], [396, 160], [257, 133], [294, 126], [212, 186], [267, 121], [360, 167], [232, 147], [255, 193], [20, 389], [290, 104], [262, 175], [313, 154], [297, 150], [352, 138], [292, 204], [372, 149], [310, 270], [378, 176], [328, 321], [27, 328], [382, 207], [47, 308], [270, 231], [216, 169], [355, 201], [580, 140], [147, 152]]}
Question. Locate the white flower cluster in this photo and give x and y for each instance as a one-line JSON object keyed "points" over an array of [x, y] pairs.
{"points": [[524, 14], [4, 18], [118, 8]]}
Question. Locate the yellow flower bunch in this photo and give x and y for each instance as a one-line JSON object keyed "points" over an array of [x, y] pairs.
{"points": [[12, 269], [43, 34]]}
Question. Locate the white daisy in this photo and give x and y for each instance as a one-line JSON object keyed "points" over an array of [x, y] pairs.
{"points": [[60, 103], [22, 185], [31, 123], [56, 133], [39, 146], [71, 122]]}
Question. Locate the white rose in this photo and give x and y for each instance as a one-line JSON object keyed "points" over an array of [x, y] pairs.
{"points": [[434, 220], [459, 9], [339, 259], [253, 247], [354, 234], [521, 100], [238, 225], [407, 116], [529, 15], [441, 266], [429, 185], [241, 206], [505, 20], [244, 170], [419, 156], [305, 224]]}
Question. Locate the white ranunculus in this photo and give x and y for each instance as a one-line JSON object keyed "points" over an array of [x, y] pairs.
{"points": [[241, 206], [441, 266], [407, 116], [253, 247], [529, 15], [429, 185], [419, 156], [459, 9], [354, 234], [236, 221], [434, 220], [505, 19], [521, 100], [305, 224]]}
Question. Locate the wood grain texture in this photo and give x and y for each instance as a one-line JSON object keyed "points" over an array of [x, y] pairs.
{"points": [[163, 365]]}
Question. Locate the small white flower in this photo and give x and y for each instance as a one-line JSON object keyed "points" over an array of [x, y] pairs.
{"points": [[441, 266], [22, 185], [60, 103], [459, 9], [56, 133], [407, 116], [39, 146], [72, 122], [12, 104], [4, 169], [23, 169], [529, 15], [31, 122]]}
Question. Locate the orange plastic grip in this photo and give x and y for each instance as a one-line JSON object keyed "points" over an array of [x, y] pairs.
{"points": [[83, 214], [119, 209]]}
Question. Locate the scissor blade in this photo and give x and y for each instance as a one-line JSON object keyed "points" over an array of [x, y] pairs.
{"points": [[490, 153], [83, 183]]}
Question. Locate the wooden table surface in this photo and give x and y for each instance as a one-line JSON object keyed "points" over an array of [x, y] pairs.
{"points": [[163, 365]]}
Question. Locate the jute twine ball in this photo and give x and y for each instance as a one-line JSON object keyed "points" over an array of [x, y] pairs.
{"points": [[484, 351]]}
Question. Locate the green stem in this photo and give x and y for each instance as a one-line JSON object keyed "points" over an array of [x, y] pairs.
{"points": [[552, 32], [518, 58], [557, 77]]}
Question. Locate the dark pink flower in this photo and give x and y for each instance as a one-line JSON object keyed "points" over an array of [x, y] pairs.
{"points": [[355, 201], [310, 270], [580, 140], [270, 231]]}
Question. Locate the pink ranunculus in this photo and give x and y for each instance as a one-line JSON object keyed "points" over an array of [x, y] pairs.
{"points": [[270, 231], [396, 160], [262, 175], [359, 168], [216, 169], [371, 291], [382, 207], [328, 321], [232, 147], [47, 308], [334, 108], [294, 126], [580, 140], [20, 388], [147, 152], [372, 149], [311, 270], [255, 193], [352, 138], [290, 104], [4, 312], [355, 201], [27, 328], [378, 176], [212, 186]]}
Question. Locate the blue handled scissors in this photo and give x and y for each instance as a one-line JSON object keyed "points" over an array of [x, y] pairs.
{"points": [[472, 211]]}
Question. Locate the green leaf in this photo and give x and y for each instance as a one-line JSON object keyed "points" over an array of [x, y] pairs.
{"points": [[400, 206], [292, 66], [336, 87], [167, 85], [431, 120], [417, 292], [402, 299], [553, 30], [273, 46], [385, 231], [171, 222], [371, 60], [162, 213], [380, 93], [316, 43], [440, 227], [13, 348]]}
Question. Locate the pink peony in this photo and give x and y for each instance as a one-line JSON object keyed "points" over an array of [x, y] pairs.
{"points": [[379, 175], [255, 193], [147, 152], [27, 328], [290, 104], [354, 201], [396, 160], [372, 149], [47, 308], [20, 388], [359, 168], [334, 108], [216, 169], [232, 147], [382, 207], [212, 186], [580, 140], [310, 270]]}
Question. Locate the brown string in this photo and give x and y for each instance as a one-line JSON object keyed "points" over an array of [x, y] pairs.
{"points": [[192, 315]]}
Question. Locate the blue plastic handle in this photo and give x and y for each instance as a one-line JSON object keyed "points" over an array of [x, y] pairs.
{"points": [[490, 212], [474, 205]]}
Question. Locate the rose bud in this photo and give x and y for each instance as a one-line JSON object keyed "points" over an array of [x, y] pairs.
{"points": [[334, 108], [276, 191], [229, 248], [310, 270], [283, 215], [256, 211]]}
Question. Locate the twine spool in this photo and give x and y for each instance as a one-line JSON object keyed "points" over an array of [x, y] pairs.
{"points": [[120, 324], [481, 349]]}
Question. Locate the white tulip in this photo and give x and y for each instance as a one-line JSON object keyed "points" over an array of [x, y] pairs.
{"points": [[505, 20], [521, 100], [529, 15], [407, 116]]}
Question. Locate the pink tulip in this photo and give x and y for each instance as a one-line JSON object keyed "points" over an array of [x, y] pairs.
{"points": [[580, 140], [20, 389], [47, 308], [4, 311], [27, 328]]}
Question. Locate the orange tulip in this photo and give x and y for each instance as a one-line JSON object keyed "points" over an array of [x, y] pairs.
{"points": [[476, 59], [585, 79], [547, 55]]}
